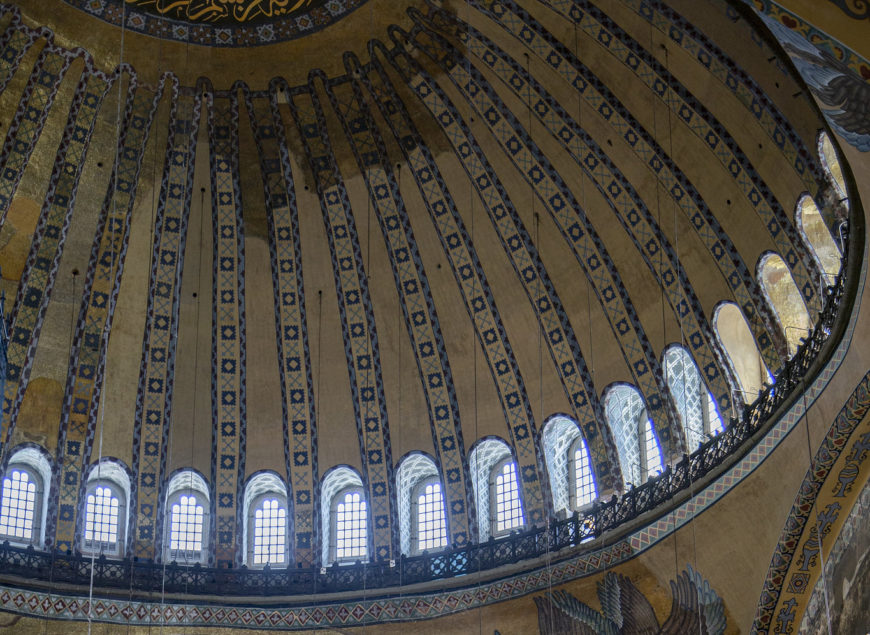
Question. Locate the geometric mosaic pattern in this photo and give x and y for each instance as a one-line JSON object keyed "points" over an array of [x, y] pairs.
{"points": [[90, 341], [228, 329], [294, 358], [412, 607], [156, 374]]}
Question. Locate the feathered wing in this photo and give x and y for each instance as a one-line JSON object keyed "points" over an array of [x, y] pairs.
{"points": [[638, 616], [561, 613], [695, 608], [849, 94]]}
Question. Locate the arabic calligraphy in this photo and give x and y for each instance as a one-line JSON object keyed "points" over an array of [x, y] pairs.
{"points": [[225, 11]]}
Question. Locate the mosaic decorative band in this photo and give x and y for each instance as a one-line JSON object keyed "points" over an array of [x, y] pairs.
{"points": [[29, 119], [294, 357], [626, 204], [413, 607], [102, 282], [518, 247], [221, 24], [571, 220], [157, 368], [418, 308], [706, 127], [358, 324], [43, 260], [604, 104], [228, 329]]}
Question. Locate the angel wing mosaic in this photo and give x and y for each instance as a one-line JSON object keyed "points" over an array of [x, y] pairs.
{"points": [[695, 608]]}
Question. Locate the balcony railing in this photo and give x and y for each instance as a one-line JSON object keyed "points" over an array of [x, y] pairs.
{"points": [[61, 568]]}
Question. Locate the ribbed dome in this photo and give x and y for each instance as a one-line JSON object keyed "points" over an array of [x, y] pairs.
{"points": [[371, 246]]}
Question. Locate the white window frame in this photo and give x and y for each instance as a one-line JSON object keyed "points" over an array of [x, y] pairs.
{"points": [[256, 504], [107, 473], [32, 459], [416, 492], [333, 519], [493, 498], [37, 529], [187, 483], [580, 444], [98, 548]]}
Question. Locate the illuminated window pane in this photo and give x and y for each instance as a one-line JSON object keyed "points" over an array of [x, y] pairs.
{"points": [[350, 526], [652, 453], [584, 482], [509, 512], [270, 531], [18, 505], [431, 524], [185, 528], [102, 509]]}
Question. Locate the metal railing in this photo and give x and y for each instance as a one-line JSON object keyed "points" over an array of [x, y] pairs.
{"points": [[62, 568]]}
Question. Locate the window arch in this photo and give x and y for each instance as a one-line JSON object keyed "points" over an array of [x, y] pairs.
{"points": [[695, 405], [817, 236], [568, 464], [107, 495], [23, 500], [831, 163], [496, 486], [345, 516], [749, 367], [265, 530], [422, 515], [785, 298], [640, 454], [186, 526]]}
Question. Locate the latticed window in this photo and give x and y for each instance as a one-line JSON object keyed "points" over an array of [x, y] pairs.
{"points": [[102, 519], [506, 490], [186, 528], [584, 481], [350, 526], [270, 532], [652, 453], [431, 523], [18, 507]]}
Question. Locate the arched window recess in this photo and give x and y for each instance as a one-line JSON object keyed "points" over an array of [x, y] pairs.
{"points": [[266, 529], [640, 453], [186, 524], [569, 465], [497, 489], [106, 509], [422, 514], [344, 516], [24, 495]]}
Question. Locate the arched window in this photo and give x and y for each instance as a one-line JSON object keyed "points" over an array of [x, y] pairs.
{"points": [[568, 464], [505, 499], [783, 295], [737, 340], [695, 404], [265, 510], [345, 515], [496, 488], [816, 235], [639, 453], [422, 516], [186, 525], [831, 163], [583, 490], [23, 501], [105, 521]]}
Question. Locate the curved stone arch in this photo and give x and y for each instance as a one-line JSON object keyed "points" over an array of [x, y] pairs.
{"points": [[191, 480], [334, 481], [741, 350], [831, 163], [782, 294], [698, 411], [258, 485], [558, 435], [485, 454], [627, 417], [815, 233], [413, 468]]}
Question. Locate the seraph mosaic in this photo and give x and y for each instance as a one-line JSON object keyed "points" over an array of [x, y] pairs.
{"points": [[695, 608], [222, 23]]}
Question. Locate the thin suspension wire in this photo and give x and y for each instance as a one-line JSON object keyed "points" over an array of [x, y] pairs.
{"points": [[104, 344]]}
